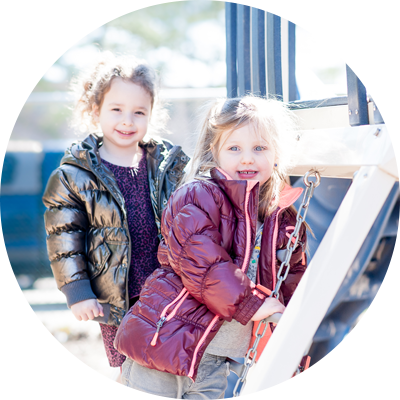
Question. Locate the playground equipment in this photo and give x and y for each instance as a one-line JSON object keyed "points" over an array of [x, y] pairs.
{"points": [[353, 213], [371, 371]]}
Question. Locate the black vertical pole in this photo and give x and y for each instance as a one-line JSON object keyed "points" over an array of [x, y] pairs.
{"points": [[231, 33], [355, 63], [274, 61], [243, 49], [258, 51], [293, 92], [381, 62]]}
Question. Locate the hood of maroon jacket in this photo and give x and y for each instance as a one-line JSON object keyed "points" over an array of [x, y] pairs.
{"points": [[209, 229]]}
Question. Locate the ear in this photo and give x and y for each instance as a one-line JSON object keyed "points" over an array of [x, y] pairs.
{"points": [[95, 113]]}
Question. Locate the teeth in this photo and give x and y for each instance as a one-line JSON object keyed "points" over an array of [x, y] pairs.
{"points": [[247, 172]]}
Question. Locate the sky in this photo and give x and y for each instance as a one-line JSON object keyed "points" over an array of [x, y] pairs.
{"points": [[208, 39], [320, 47]]}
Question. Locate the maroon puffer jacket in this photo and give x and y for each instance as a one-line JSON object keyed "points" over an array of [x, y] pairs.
{"points": [[209, 231]]}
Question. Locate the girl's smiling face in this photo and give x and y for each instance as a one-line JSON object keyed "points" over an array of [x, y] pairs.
{"points": [[244, 154], [124, 114]]}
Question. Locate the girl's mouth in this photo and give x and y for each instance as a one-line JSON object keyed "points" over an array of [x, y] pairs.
{"points": [[125, 133], [248, 174]]}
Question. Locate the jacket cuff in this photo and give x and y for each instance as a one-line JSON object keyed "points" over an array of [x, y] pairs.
{"points": [[77, 291], [249, 307]]}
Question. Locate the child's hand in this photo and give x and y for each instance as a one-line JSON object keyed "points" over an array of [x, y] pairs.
{"points": [[87, 309], [271, 306]]}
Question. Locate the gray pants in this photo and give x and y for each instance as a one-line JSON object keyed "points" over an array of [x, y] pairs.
{"points": [[211, 381]]}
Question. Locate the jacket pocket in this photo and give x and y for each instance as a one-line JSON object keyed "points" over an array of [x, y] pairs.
{"points": [[164, 317], [106, 310], [98, 259]]}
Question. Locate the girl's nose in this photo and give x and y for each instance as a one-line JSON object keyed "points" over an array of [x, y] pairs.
{"points": [[247, 158], [128, 120]]}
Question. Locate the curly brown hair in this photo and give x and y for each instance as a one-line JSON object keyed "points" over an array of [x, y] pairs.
{"points": [[91, 85]]}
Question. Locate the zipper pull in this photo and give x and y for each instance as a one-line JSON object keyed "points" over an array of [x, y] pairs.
{"points": [[159, 325]]}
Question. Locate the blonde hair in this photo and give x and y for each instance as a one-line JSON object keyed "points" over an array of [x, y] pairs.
{"points": [[270, 118], [91, 85]]}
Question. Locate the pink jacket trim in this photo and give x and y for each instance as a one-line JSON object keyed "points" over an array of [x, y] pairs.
{"points": [[288, 196], [203, 338], [225, 174], [250, 182]]}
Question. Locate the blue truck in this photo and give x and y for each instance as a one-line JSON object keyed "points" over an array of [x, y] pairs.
{"points": [[24, 170]]}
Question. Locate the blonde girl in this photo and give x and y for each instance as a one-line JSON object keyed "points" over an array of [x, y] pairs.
{"points": [[222, 229]]}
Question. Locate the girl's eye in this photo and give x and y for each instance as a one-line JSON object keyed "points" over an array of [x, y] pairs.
{"points": [[234, 148], [260, 148], [140, 113], [116, 109]]}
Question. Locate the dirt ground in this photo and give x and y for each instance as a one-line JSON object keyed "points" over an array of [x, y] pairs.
{"points": [[51, 356]]}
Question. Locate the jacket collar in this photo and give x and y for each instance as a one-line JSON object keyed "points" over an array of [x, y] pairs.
{"points": [[160, 154], [86, 152], [236, 189], [289, 195], [83, 153]]}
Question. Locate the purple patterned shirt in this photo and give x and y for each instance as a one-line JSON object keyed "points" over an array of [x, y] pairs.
{"points": [[134, 186]]}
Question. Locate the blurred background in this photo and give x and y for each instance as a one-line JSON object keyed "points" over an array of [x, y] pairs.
{"points": [[185, 42]]}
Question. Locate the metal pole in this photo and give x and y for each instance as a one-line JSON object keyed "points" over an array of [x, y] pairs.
{"points": [[231, 32], [243, 49], [274, 63], [259, 84], [293, 92], [355, 63]]}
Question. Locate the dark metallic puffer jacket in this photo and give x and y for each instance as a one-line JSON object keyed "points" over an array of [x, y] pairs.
{"points": [[209, 231], [88, 238]]}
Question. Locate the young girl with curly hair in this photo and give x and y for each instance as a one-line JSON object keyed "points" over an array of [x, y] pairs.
{"points": [[104, 202]]}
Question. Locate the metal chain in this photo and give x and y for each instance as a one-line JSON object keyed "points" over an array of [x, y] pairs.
{"points": [[301, 215]]}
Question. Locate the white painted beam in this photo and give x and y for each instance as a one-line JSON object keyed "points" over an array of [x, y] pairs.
{"points": [[322, 279], [340, 152]]}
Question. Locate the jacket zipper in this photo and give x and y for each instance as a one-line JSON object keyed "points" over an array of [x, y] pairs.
{"points": [[275, 237], [120, 201], [245, 261], [172, 156], [163, 318], [248, 228]]}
